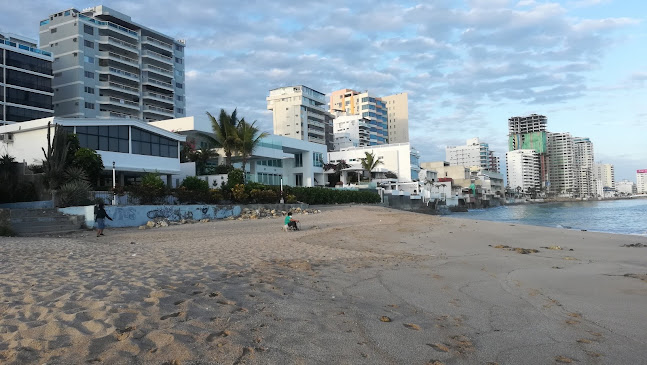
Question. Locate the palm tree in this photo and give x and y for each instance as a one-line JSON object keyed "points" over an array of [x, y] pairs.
{"points": [[369, 163], [247, 138], [225, 130]]}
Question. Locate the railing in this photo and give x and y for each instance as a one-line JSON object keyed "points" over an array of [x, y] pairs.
{"points": [[26, 48], [117, 114], [155, 54], [121, 86], [159, 96], [156, 41], [119, 41], [110, 24], [122, 72], [158, 109], [123, 101], [159, 69], [158, 82]]}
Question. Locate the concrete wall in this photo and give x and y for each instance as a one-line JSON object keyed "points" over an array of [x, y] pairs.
{"points": [[44, 204], [137, 215]]}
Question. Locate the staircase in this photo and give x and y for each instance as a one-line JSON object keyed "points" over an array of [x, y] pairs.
{"points": [[33, 222]]}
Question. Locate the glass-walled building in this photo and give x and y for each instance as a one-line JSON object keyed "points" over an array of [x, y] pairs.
{"points": [[25, 80]]}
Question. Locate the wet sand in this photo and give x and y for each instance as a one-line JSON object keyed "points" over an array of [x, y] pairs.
{"points": [[358, 285]]}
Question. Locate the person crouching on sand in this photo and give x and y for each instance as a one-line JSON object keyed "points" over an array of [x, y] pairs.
{"points": [[100, 218], [291, 223]]}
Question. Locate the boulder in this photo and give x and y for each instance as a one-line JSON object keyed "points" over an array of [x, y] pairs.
{"points": [[143, 227], [150, 224]]}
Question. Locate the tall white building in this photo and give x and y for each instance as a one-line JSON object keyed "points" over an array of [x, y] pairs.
{"points": [[585, 171], [399, 158], [606, 174], [626, 187], [351, 131], [523, 169], [300, 112], [641, 181], [108, 66], [397, 107], [473, 154], [561, 164]]}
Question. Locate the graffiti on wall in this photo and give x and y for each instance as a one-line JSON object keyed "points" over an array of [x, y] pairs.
{"points": [[125, 213]]}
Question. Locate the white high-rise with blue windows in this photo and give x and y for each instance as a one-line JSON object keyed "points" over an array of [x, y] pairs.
{"points": [[107, 66]]}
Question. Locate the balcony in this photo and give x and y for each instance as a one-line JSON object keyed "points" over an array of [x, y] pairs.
{"points": [[130, 47], [157, 56], [119, 58], [110, 25], [157, 43], [118, 87], [159, 97], [158, 70], [113, 114], [159, 111], [158, 83], [120, 73], [119, 102]]}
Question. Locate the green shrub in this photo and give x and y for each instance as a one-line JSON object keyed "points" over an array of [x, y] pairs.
{"points": [[263, 196], [151, 190], [218, 170], [238, 193], [74, 193], [195, 183], [333, 196]]}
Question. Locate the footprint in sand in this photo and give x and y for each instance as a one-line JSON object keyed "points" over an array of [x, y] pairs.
{"points": [[172, 315], [412, 326], [439, 347]]}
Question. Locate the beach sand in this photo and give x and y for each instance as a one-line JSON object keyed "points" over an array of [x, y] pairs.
{"points": [[358, 285]]}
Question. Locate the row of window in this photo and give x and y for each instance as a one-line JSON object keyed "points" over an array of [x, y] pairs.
{"points": [[272, 163], [30, 81], [16, 114], [28, 98], [268, 179], [28, 63], [116, 139]]}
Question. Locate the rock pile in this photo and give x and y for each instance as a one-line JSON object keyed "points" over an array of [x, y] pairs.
{"points": [[246, 213]]}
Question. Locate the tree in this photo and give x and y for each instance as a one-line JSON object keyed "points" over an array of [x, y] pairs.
{"points": [[337, 167], [56, 156], [225, 130], [247, 139], [369, 163], [90, 161]]}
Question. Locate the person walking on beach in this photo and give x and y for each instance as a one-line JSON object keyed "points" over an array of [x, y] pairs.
{"points": [[100, 216], [291, 223]]}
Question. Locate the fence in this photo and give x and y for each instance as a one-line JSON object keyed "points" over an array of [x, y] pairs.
{"points": [[127, 199]]}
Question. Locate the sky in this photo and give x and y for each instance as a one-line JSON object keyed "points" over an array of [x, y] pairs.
{"points": [[467, 66]]}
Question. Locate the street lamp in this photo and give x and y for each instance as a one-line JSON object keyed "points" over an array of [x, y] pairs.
{"points": [[114, 185]]}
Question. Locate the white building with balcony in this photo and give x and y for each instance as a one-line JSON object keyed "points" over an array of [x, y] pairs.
{"points": [[107, 66], [398, 158], [351, 131], [523, 170], [473, 154], [641, 181]]}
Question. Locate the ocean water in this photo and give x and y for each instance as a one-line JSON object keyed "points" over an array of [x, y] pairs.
{"points": [[612, 216]]}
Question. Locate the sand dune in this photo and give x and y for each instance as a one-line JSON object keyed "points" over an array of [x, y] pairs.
{"points": [[235, 292]]}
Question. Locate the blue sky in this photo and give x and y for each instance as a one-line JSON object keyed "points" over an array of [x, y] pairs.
{"points": [[467, 65]]}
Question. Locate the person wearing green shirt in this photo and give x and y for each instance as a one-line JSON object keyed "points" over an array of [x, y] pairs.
{"points": [[291, 223]]}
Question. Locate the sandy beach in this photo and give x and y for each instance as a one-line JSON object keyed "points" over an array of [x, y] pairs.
{"points": [[357, 285]]}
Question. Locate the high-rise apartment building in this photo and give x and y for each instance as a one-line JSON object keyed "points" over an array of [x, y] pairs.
{"points": [[108, 66], [585, 167], [351, 131], [641, 181], [25, 80], [529, 132], [388, 116], [300, 112], [523, 169], [561, 167], [606, 174], [473, 154], [626, 187]]}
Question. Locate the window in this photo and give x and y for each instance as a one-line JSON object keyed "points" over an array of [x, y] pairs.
{"points": [[88, 44], [26, 62], [31, 81], [180, 98], [24, 97], [105, 138], [179, 73], [146, 143], [88, 59], [89, 75], [298, 160], [180, 110], [179, 48], [89, 105], [179, 85], [317, 159], [89, 90], [178, 60], [88, 29], [17, 114], [53, 30]]}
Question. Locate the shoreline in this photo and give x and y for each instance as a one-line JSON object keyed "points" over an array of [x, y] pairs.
{"points": [[358, 284]]}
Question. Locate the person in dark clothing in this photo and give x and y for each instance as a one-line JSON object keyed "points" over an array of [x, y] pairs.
{"points": [[100, 216]]}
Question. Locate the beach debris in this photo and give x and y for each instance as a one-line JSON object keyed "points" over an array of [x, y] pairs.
{"points": [[132, 242], [412, 326], [133, 255], [553, 247], [584, 340], [572, 321], [462, 344], [385, 319], [435, 362], [556, 267], [638, 244], [642, 277], [563, 359], [143, 227], [172, 315], [439, 347], [523, 251], [570, 258]]}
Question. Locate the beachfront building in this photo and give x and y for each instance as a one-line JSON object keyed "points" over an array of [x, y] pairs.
{"points": [[134, 147], [400, 159], [529, 132], [300, 112], [25, 80], [523, 171], [605, 173], [108, 66], [388, 115], [626, 187], [459, 175], [585, 166], [351, 131], [561, 172], [473, 154], [641, 181], [276, 159]]}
